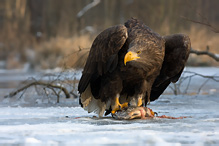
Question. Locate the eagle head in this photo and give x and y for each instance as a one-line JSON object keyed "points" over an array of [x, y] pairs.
{"points": [[134, 53], [131, 56]]}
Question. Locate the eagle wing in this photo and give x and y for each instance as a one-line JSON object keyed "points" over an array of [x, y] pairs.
{"points": [[103, 56], [177, 48]]}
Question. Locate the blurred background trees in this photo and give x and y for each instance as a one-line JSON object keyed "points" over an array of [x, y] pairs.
{"points": [[48, 33]]}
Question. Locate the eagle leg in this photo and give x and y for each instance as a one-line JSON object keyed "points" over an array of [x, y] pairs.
{"points": [[118, 106], [136, 101], [148, 97]]}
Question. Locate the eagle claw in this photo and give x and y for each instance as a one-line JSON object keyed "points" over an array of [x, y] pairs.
{"points": [[119, 107]]}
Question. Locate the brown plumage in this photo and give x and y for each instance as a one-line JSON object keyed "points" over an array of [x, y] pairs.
{"points": [[127, 63], [177, 48]]}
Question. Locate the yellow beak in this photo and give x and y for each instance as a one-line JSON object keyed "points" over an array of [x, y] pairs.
{"points": [[130, 56]]}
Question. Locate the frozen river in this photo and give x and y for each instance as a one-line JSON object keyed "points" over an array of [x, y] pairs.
{"points": [[71, 125]]}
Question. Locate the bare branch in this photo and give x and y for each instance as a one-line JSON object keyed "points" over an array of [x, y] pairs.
{"points": [[202, 23], [187, 87], [87, 7], [55, 94], [204, 20], [176, 86], [23, 93], [199, 90], [48, 85], [215, 78], [212, 55]]}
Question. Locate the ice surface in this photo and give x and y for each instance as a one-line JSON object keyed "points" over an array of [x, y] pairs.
{"points": [[73, 125], [26, 122]]}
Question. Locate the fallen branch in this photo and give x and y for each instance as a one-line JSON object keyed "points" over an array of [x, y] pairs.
{"points": [[212, 55], [47, 85], [215, 78], [175, 87]]}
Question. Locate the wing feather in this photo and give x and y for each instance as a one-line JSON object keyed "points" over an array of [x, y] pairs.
{"points": [[103, 54], [177, 48]]}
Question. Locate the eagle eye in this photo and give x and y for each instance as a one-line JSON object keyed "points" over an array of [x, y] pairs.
{"points": [[138, 52]]}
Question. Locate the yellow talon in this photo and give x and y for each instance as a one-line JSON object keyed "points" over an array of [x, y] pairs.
{"points": [[118, 106], [152, 113], [113, 112], [124, 105], [140, 101], [115, 109]]}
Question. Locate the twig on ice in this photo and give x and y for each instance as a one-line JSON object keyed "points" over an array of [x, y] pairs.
{"points": [[35, 83], [215, 78], [199, 90], [176, 86]]}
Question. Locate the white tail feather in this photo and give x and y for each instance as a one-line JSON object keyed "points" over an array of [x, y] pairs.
{"points": [[91, 104]]}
